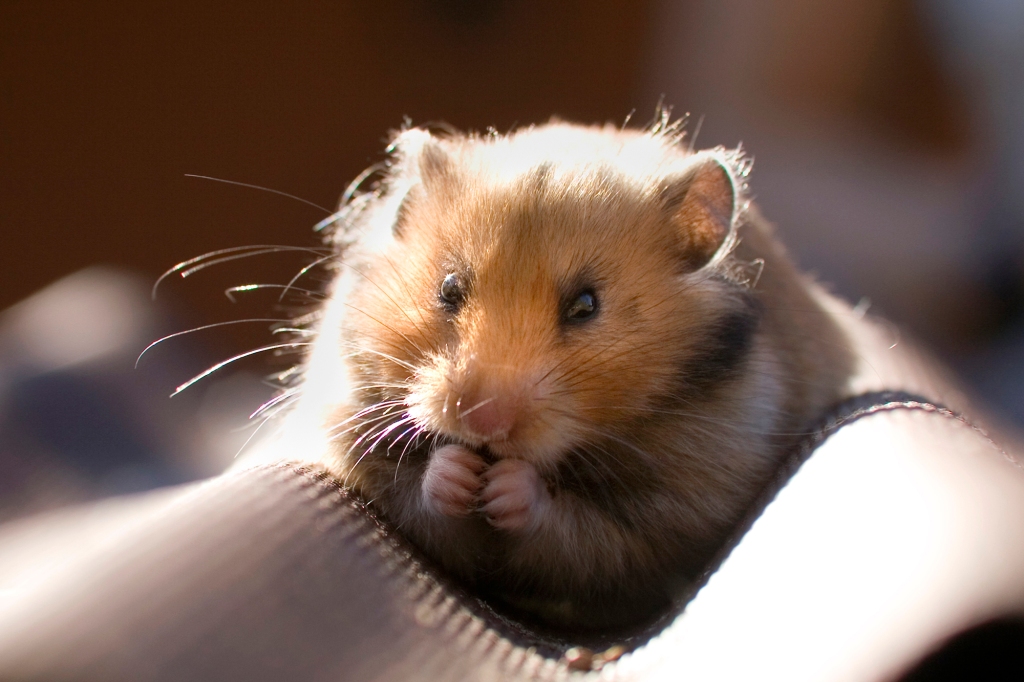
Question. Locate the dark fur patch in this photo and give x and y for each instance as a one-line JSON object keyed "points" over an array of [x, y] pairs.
{"points": [[725, 347]]}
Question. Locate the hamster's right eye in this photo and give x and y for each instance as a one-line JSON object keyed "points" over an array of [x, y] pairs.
{"points": [[582, 308], [452, 292]]}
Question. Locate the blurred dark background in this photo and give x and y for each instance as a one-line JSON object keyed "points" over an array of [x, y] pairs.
{"points": [[888, 138]]}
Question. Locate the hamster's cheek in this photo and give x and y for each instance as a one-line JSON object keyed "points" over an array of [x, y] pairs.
{"points": [[429, 400]]}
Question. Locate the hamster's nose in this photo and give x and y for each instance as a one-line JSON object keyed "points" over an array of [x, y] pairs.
{"points": [[488, 415]]}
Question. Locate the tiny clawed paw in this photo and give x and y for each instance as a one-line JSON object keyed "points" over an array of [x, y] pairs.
{"points": [[510, 493], [452, 480], [514, 496]]}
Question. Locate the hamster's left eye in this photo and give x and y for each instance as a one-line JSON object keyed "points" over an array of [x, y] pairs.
{"points": [[582, 308], [451, 293]]}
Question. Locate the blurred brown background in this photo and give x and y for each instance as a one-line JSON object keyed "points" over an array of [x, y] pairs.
{"points": [[879, 129], [108, 104]]}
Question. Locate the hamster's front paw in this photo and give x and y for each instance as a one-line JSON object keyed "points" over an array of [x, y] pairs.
{"points": [[514, 496], [452, 480]]}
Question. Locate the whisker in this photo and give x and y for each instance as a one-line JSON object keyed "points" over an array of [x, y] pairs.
{"points": [[401, 363], [302, 272], [352, 468], [388, 430], [398, 440], [293, 330], [251, 436], [388, 327], [288, 373], [394, 302], [382, 433], [189, 266], [594, 354], [225, 363], [381, 423], [203, 327], [242, 288], [363, 413], [572, 377], [476, 407], [416, 434], [188, 272], [274, 401], [611, 471], [405, 286], [263, 189]]}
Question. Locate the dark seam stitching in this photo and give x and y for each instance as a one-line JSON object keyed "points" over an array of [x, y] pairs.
{"points": [[843, 414], [868, 404]]}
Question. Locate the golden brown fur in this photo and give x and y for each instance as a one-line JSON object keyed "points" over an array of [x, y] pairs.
{"points": [[609, 457]]}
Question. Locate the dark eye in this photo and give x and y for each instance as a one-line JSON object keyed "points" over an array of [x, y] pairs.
{"points": [[451, 293], [582, 308]]}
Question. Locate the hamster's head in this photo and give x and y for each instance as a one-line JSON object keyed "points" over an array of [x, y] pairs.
{"points": [[542, 292]]}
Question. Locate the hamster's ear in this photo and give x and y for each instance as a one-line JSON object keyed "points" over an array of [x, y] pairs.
{"points": [[423, 158], [701, 205], [421, 167]]}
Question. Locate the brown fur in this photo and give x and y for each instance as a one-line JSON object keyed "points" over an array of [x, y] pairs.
{"points": [[652, 426]]}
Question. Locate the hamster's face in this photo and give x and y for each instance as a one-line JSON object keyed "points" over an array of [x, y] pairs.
{"points": [[530, 316]]}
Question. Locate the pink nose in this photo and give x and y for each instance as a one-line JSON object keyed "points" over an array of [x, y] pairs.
{"points": [[490, 418]]}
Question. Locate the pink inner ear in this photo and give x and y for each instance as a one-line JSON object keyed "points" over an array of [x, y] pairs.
{"points": [[705, 214]]}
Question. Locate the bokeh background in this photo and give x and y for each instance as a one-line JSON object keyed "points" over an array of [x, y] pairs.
{"points": [[888, 138]]}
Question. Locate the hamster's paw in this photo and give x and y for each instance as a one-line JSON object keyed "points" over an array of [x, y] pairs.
{"points": [[452, 480], [514, 496]]}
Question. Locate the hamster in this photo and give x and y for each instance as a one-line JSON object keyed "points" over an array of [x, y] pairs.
{"points": [[563, 362]]}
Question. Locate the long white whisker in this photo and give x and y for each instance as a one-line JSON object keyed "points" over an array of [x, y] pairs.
{"points": [[401, 363], [274, 401], [389, 297], [227, 362], [302, 272], [203, 327], [364, 413], [187, 266], [475, 407], [243, 288], [264, 189], [251, 436], [388, 327]]}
